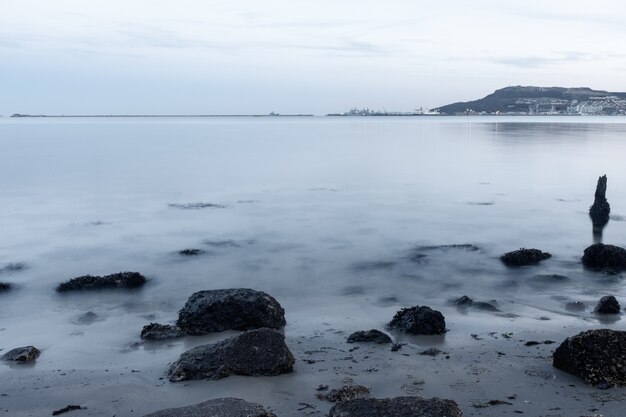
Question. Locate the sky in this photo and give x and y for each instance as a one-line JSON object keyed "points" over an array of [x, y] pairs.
{"points": [[296, 56]]}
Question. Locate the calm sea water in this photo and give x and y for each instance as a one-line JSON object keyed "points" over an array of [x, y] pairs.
{"points": [[326, 214]]}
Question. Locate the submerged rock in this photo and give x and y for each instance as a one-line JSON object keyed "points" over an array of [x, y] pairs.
{"points": [[601, 256], [21, 354], [5, 286], [87, 318], [608, 305], [156, 331], [191, 252], [596, 356], [396, 407], [230, 309], [600, 210], [221, 407], [466, 302], [419, 320], [90, 282], [373, 335], [196, 206], [575, 306], [253, 353], [347, 392], [524, 257], [13, 267]]}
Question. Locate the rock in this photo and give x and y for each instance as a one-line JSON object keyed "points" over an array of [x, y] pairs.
{"points": [[596, 356], [230, 309], [430, 352], [21, 354], [196, 206], [221, 407], [600, 210], [253, 353], [419, 320], [466, 302], [524, 257], [576, 306], [90, 282], [66, 409], [396, 407], [87, 318], [375, 336], [13, 267], [345, 393], [607, 305], [601, 256], [5, 286], [156, 331], [191, 252]]}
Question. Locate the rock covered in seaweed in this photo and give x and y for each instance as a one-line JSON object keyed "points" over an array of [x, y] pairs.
{"points": [[418, 320], [21, 354], [600, 210], [596, 356], [373, 335], [222, 407], [524, 257], [91, 282], [608, 305], [157, 331], [396, 407], [253, 353], [230, 309], [601, 256]]}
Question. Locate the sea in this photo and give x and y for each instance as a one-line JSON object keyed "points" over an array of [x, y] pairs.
{"points": [[343, 220]]}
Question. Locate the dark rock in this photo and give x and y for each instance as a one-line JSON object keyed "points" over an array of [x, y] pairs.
{"points": [[419, 320], [607, 305], [221, 407], [596, 356], [5, 286], [191, 252], [90, 282], [21, 354], [464, 301], [524, 257], [156, 331], [396, 407], [373, 335], [66, 409], [253, 353], [230, 309], [576, 306], [600, 210], [601, 256], [430, 352], [463, 246], [397, 346], [532, 343], [345, 393]]}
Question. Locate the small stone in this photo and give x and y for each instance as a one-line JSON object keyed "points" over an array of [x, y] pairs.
{"points": [[608, 305], [156, 331], [524, 257], [21, 354], [375, 336]]}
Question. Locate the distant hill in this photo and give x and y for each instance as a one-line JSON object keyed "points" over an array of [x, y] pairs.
{"points": [[542, 100]]}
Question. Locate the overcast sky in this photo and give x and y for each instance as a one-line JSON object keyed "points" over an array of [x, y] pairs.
{"points": [[296, 56]]}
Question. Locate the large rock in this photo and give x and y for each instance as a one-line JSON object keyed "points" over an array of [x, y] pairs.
{"points": [[419, 320], [524, 257], [608, 305], [396, 407], [90, 282], [600, 210], [221, 407], [596, 356], [601, 256], [373, 335], [253, 353], [230, 309], [21, 354], [157, 331]]}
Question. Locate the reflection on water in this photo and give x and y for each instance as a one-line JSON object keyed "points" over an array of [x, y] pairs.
{"points": [[352, 218]]}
